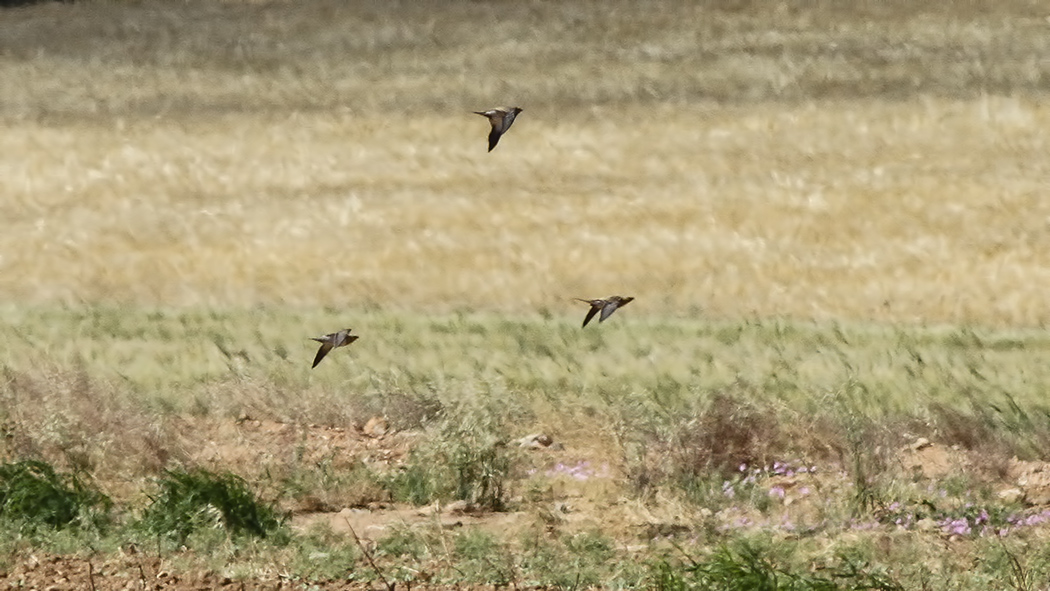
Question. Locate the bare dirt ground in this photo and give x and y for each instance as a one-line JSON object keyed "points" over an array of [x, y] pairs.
{"points": [[133, 571], [581, 480], [252, 446], [582, 492]]}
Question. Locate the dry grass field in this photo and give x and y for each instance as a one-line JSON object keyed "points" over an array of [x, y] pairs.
{"points": [[832, 215], [735, 160]]}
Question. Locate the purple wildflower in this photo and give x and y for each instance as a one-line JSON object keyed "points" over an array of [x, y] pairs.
{"points": [[727, 489], [959, 527], [863, 525]]}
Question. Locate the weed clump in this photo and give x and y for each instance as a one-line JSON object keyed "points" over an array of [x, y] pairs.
{"points": [[995, 425], [189, 501], [699, 451], [467, 461], [33, 494], [747, 568], [728, 433]]}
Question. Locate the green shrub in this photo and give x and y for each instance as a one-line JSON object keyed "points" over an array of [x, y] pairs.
{"points": [[467, 461], [192, 500], [418, 482], [32, 493], [482, 468]]}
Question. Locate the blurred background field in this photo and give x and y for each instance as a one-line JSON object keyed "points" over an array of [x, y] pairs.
{"points": [[831, 214], [830, 160]]}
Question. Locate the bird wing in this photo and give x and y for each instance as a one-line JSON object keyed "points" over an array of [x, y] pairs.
{"points": [[590, 314], [325, 348], [608, 309], [506, 121], [494, 137]]}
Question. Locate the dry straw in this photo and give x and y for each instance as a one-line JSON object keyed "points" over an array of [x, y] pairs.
{"points": [[769, 162]]}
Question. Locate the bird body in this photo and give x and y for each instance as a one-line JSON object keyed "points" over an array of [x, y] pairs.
{"points": [[501, 119], [606, 307], [331, 341]]}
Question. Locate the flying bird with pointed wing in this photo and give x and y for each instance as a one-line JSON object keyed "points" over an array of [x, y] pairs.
{"points": [[501, 119], [606, 307], [332, 340]]}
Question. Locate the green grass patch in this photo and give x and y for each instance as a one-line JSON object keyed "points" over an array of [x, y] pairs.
{"points": [[34, 495], [744, 567], [320, 553], [192, 500]]}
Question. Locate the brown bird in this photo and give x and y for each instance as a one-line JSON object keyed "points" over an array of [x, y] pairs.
{"points": [[607, 307], [331, 341], [501, 119]]}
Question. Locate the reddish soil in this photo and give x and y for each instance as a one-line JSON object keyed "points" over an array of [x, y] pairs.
{"points": [[580, 492], [136, 572]]}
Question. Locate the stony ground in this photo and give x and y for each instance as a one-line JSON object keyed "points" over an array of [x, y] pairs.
{"points": [[134, 571], [583, 493]]}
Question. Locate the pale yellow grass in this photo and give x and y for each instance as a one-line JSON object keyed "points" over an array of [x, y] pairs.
{"points": [[926, 210], [815, 160]]}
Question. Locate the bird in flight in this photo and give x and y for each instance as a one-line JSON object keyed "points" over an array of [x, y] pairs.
{"points": [[606, 306], [501, 119], [331, 341]]}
